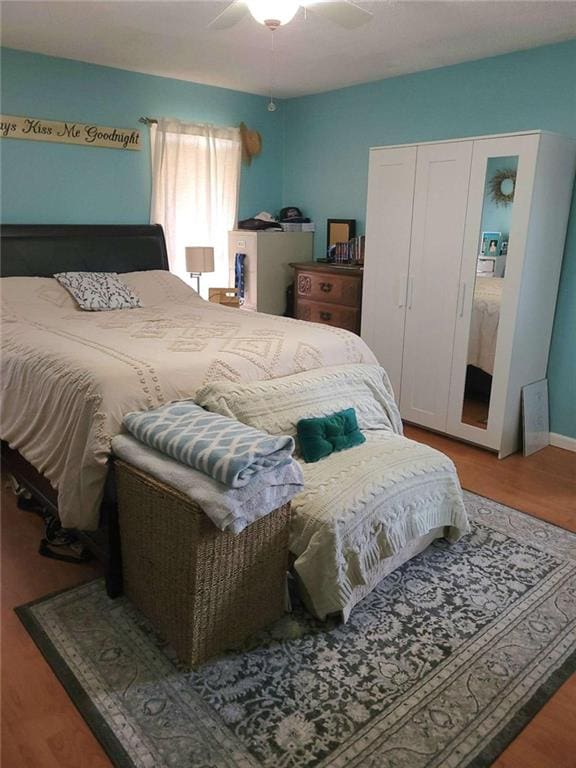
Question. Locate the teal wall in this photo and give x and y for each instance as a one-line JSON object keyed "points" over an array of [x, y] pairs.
{"points": [[47, 183], [328, 136]]}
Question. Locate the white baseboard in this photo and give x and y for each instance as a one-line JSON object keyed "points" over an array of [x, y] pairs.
{"points": [[561, 441]]}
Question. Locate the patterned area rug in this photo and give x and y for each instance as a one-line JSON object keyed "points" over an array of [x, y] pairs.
{"points": [[440, 667]]}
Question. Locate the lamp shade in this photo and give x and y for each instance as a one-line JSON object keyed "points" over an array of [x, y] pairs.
{"points": [[199, 259]]}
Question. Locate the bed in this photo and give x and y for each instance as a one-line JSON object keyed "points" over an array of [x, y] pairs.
{"points": [[484, 323], [69, 376]]}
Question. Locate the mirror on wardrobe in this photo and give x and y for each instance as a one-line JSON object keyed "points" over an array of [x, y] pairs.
{"points": [[493, 246]]}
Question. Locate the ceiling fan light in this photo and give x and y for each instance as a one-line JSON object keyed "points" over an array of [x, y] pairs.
{"points": [[273, 12]]}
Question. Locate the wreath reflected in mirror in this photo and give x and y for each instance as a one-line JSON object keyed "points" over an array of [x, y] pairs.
{"points": [[502, 186]]}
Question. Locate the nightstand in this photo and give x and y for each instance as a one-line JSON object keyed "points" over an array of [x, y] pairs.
{"points": [[328, 293]]}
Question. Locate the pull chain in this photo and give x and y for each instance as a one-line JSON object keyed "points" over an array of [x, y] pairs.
{"points": [[272, 107]]}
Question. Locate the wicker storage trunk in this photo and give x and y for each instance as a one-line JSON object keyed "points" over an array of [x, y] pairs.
{"points": [[204, 590]]}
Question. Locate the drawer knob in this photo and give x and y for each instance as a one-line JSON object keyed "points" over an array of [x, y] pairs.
{"points": [[326, 287], [325, 315]]}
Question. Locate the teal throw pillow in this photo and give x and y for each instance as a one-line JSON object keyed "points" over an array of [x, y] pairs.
{"points": [[322, 436]]}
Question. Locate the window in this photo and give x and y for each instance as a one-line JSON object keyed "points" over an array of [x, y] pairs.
{"points": [[195, 180]]}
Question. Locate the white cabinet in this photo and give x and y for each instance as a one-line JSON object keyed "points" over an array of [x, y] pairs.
{"points": [[267, 271], [459, 346]]}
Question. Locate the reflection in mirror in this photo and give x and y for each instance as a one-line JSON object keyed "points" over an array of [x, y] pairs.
{"points": [[487, 295]]}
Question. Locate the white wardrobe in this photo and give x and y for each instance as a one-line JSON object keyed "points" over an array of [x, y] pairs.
{"points": [[458, 342]]}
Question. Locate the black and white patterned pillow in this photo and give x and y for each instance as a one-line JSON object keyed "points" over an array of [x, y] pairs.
{"points": [[98, 291]]}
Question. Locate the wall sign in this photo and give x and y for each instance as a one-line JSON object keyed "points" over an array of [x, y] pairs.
{"points": [[36, 129]]}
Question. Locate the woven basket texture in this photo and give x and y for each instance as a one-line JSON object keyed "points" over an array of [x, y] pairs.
{"points": [[204, 590]]}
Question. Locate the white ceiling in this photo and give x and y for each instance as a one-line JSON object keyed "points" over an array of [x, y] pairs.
{"points": [[172, 39]]}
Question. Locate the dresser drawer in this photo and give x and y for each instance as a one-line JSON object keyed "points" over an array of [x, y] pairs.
{"points": [[329, 314], [329, 288]]}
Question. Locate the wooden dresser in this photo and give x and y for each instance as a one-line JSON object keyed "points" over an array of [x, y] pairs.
{"points": [[328, 293]]}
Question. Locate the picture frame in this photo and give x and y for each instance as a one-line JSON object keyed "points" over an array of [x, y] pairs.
{"points": [[535, 420], [490, 244], [339, 231]]}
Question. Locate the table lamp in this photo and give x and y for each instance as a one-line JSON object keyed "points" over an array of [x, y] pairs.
{"points": [[199, 259]]}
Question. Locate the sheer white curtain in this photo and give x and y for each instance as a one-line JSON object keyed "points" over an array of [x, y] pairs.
{"points": [[195, 180]]}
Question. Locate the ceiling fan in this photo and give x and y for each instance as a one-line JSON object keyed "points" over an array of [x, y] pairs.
{"points": [[276, 13]]}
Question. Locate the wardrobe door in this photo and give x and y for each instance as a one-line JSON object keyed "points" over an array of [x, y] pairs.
{"points": [[388, 227], [501, 184], [438, 220]]}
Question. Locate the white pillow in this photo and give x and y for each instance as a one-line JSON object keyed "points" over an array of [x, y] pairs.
{"points": [[42, 293], [158, 286], [277, 405], [98, 291]]}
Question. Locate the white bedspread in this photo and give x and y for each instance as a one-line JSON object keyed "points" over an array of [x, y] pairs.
{"points": [[484, 322], [69, 377], [364, 505]]}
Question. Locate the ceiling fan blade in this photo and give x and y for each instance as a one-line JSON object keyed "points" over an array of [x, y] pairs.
{"points": [[231, 15], [344, 13]]}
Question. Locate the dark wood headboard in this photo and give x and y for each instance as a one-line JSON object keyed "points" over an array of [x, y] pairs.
{"points": [[41, 250]]}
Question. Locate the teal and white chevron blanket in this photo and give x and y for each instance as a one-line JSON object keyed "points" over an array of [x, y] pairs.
{"points": [[225, 449]]}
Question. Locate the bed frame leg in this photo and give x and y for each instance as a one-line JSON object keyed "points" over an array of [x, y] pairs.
{"points": [[114, 585]]}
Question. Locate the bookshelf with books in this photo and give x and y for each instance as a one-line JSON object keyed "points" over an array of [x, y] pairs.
{"points": [[351, 252]]}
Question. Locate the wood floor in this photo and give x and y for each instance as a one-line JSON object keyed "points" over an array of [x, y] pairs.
{"points": [[42, 729]]}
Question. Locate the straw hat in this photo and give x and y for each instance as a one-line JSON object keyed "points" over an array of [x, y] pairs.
{"points": [[251, 143]]}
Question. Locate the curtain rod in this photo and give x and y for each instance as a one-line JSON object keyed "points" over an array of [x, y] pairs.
{"points": [[148, 120]]}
